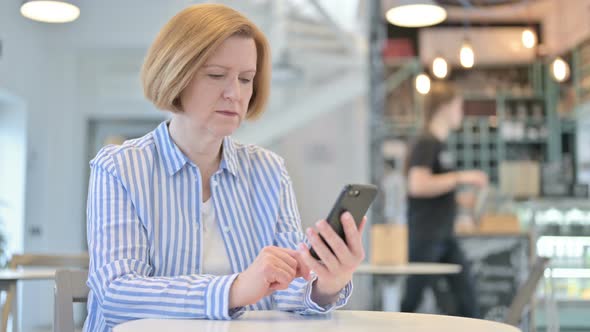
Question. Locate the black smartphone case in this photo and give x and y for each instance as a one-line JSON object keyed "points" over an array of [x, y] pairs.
{"points": [[354, 198]]}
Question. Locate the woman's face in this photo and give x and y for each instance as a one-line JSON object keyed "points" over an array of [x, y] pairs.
{"points": [[216, 100]]}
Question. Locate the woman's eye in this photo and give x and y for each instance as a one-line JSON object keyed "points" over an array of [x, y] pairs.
{"points": [[216, 76], [245, 80]]}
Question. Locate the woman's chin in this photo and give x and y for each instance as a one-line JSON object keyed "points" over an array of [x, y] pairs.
{"points": [[224, 130]]}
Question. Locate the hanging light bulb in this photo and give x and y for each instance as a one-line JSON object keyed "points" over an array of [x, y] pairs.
{"points": [[423, 84], [466, 55], [440, 67], [50, 11], [560, 69], [529, 38]]}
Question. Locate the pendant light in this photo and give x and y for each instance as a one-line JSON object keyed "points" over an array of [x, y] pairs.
{"points": [[440, 67], [560, 69], [423, 84], [529, 38], [50, 11], [414, 13], [467, 55]]}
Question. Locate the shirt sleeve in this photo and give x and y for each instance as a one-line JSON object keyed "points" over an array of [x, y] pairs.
{"points": [[297, 298], [120, 275], [423, 154]]}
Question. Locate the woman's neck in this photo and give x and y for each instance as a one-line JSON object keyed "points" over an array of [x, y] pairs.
{"points": [[202, 148]]}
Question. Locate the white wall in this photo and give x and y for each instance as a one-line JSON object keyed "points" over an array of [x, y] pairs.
{"points": [[323, 156]]}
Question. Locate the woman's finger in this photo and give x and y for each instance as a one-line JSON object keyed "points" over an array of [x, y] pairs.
{"points": [[313, 263], [302, 269], [353, 235], [339, 247], [283, 254], [322, 250], [279, 264], [280, 278], [363, 224]]}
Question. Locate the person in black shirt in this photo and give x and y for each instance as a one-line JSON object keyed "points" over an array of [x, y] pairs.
{"points": [[432, 184]]}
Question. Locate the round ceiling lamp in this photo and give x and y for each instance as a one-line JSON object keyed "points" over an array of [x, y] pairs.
{"points": [[50, 11], [414, 13]]}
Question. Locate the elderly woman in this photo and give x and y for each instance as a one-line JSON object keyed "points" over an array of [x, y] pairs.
{"points": [[184, 222]]}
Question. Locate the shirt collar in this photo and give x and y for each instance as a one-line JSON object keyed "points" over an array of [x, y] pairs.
{"points": [[174, 159], [229, 159]]}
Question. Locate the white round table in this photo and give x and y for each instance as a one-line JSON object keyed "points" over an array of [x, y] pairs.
{"points": [[13, 275], [338, 321], [10, 277], [385, 273]]}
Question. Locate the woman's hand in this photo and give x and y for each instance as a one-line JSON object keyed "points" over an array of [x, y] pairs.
{"points": [[335, 269], [274, 269]]}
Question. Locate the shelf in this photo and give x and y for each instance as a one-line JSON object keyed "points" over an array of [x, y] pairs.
{"points": [[565, 299], [526, 141], [568, 273], [516, 98], [565, 238]]}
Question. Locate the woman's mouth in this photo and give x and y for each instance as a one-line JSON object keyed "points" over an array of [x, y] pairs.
{"points": [[227, 113]]}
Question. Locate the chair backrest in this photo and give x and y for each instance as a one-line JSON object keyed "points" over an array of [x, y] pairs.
{"points": [[526, 292], [70, 287]]}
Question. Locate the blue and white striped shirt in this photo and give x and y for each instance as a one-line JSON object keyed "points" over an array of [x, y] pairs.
{"points": [[145, 232]]}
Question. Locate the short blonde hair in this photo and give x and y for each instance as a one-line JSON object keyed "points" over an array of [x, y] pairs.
{"points": [[186, 42]]}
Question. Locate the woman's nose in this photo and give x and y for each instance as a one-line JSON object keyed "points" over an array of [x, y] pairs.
{"points": [[232, 89]]}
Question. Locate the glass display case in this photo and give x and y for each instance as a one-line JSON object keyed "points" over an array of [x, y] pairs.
{"points": [[561, 229]]}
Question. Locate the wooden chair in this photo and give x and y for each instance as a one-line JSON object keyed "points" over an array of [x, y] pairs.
{"points": [[36, 260]]}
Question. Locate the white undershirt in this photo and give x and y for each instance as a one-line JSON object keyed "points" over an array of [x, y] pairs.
{"points": [[215, 258]]}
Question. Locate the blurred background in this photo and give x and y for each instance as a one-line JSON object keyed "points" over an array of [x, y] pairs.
{"points": [[348, 87]]}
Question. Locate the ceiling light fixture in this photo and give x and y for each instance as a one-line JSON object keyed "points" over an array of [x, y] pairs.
{"points": [[467, 55], [440, 67], [423, 84], [50, 11], [529, 38], [414, 13], [560, 69]]}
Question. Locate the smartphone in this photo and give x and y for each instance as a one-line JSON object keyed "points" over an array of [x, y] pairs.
{"points": [[354, 198]]}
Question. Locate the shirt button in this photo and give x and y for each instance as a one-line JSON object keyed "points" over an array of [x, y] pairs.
{"points": [[342, 296], [226, 229]]}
